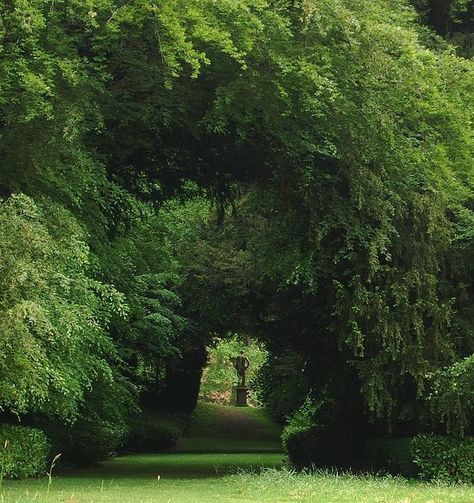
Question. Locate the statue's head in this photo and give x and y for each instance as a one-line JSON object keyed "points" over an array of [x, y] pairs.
{"points": [[241, 352]]}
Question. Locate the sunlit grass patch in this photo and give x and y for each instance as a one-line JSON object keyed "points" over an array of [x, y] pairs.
{"points": [[331, 487], [193, 478]]}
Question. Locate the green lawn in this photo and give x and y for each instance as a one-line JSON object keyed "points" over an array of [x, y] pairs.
{"points": [[224, 428], [217, 476], [191, 478]]}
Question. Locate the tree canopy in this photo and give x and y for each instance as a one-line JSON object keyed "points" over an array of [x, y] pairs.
{"points": [[172, 171]]}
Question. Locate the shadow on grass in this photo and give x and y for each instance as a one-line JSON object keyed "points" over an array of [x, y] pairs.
{"points": [[179, 466]]}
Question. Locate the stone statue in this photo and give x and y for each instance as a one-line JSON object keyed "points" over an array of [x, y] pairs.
{"points": [[241, 364]]}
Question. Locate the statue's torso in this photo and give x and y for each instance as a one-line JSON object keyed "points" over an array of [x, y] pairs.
{"points": [[241, 363]]}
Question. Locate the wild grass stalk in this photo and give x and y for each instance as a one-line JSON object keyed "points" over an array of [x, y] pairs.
{"points": [[2, 467], [49, 473]]}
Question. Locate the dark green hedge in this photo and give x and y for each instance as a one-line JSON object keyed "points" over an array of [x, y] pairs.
{"points": [[444, 458], [154, 433], [87, 441], [392, 455], [429, 457], [320, 447], [25, 452], [98, 432]]}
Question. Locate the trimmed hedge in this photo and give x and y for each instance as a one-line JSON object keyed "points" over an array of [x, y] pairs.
{"points": [[84, 442], [326, 443], [391, 454], [24, 452], [444, 458], [99, 430], [322, 447], [154, 433], [429, 457]]}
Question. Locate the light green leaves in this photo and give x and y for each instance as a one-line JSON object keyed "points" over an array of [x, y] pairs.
{"points": [[53, 343]]}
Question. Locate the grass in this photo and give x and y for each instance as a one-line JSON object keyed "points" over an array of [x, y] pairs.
{"points": [[285, 486], [143, 478], [189, 478], [194, 475], [224, 428]]}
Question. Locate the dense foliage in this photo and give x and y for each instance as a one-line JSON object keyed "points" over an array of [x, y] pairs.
{"points": [[24, 452], [430, 457], [54, 316], [444, 458], [154, 433], [333, 140]]}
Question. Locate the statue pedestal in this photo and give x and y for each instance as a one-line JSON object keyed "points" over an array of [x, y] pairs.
{"points": [[241, 394]]}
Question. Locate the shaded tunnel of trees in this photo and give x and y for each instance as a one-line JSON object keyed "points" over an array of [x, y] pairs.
{"points": [[175, 170]]}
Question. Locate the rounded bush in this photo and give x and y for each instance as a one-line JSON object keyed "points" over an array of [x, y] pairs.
{"points": [[24, 452], [87, 441], [320, 447], [151, 433]]}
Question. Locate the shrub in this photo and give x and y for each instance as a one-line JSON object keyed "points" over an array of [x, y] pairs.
{"points": [[306, 443], [319, 435], [444, 458], [299, 423], [100, 429], [300, 445], [154, 433], [322, 447], [24, 452], [429, 457], [88, 441], [390, 454]]}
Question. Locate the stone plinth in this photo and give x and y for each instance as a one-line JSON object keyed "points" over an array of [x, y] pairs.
{"points": [[241, 394]]}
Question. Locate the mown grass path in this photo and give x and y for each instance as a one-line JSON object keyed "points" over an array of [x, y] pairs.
{"points": [[227, 429], [221, 460]]}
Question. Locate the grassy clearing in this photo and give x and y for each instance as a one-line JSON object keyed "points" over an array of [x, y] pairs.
{"points": [[145, 478], [197, 478], [224, 477]]}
